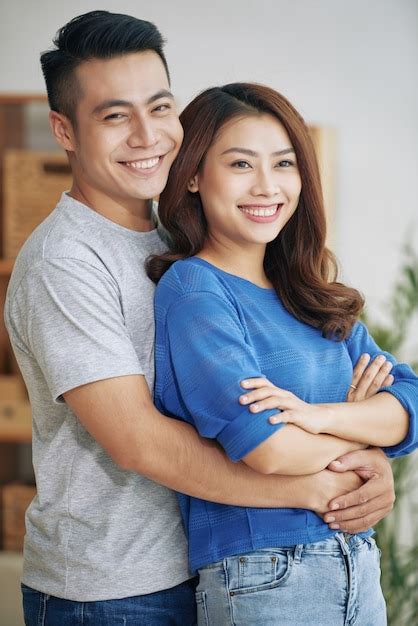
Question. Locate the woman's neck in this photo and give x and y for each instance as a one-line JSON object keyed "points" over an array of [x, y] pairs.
{"points": [[246, 263]]}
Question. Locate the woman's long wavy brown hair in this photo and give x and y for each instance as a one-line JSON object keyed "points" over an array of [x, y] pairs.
{"points": [[298, 264]]}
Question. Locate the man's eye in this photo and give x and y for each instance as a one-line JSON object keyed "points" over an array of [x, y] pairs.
{"points": [[162, 107], [115, 116], [242, 165]]}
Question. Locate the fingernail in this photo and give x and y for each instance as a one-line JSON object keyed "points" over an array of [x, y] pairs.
{"points": [[365, 356], [338, 463], [254, 408], [334, 526], [245, 383], [335, 507], [243, 399], [274, 420], [330, 519]]}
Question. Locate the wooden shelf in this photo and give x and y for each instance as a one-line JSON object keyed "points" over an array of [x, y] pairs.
{"points": [[22, 98], [15, 434], [15, 422]]}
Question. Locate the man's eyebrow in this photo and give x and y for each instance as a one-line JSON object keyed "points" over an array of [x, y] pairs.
{"points": [[255, 154], [163, 93], [108, 104]]}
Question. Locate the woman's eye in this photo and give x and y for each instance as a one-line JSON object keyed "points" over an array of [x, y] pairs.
{"points": [[241, 165], [285, 163]]}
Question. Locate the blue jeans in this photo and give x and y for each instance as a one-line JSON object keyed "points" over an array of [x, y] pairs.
{"points": [[171, 607], [335, 582]]}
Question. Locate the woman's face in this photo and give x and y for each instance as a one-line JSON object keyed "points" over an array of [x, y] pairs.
{"points": [[249, 183]]}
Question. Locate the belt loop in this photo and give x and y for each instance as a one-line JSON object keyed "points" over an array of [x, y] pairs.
{"points": [[297, 553]]}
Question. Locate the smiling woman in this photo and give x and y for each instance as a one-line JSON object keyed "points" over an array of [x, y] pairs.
{"points": [[259, 182], [253, 295]]}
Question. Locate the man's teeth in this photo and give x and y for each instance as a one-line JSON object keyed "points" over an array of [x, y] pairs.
{"points": [[260, 212], [143, 165]]}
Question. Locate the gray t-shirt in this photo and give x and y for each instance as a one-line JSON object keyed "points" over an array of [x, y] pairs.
{"points": [[79, 309]]}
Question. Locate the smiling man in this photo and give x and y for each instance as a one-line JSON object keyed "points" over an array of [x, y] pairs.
{"points": [[105, 543]]}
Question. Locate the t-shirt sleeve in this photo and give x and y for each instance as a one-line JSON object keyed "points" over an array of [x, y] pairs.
{"points": [[404, 387], [210, 355], [67, 315]]}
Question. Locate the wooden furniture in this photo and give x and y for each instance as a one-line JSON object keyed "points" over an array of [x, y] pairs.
{"points": [[15, 421]]}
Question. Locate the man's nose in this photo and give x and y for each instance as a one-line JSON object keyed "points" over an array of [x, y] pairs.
{"points": [[143, 135]]}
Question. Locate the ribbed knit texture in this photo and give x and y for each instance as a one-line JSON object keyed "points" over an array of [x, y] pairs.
{"points": [[213, 330]]}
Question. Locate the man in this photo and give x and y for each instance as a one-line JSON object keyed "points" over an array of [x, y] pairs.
{"points": [[104, 541]]}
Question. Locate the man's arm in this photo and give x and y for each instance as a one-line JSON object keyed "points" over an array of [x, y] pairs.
{"points": [[120, 415]]}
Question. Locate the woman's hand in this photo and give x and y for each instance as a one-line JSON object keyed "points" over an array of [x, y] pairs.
{"points": [[264, 395], [368, 378]]}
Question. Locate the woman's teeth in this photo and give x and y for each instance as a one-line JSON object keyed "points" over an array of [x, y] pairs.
{"points": [[260, 212]]}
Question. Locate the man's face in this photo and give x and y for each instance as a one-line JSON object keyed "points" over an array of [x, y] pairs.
{"points": [[127, 132]]}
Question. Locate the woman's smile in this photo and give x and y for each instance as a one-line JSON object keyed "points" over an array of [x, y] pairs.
{"points": [[261, 213]]}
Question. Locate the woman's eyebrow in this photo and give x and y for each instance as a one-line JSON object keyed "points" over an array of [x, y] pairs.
{"points": [[256, 154]]}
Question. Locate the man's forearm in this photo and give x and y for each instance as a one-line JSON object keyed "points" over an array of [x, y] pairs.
{"points": [[182, 460], [120, 415]]}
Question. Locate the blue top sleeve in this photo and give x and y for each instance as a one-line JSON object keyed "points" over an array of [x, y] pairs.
{"points": [[404, 387], [211, 355]]}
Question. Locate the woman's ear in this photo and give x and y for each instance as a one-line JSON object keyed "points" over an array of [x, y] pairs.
{"points": [[193, 185]]}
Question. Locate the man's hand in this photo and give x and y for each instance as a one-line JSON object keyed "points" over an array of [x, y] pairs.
{"points": [[362, 508], [327, 484]]}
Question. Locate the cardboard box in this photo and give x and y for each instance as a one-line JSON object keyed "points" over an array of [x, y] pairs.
{"points": [[32, 185], [15, 421], [12, 389], [16, 498]]}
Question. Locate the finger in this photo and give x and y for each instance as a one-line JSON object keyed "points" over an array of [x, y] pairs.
{"points": [[358, 459], [378, 381], [259, 394], [272, 402], [364, 523], [360, 367], [357, 511], [284, 416], [368, 376], [255, 383], [389, 380], [364, 494]]}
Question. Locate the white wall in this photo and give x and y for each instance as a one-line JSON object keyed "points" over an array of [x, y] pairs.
{"points": [[351, 65]]}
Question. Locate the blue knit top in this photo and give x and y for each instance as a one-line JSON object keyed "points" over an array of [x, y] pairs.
{"points": [[213, 330]]}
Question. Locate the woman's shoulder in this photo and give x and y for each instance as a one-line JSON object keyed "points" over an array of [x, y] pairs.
{"points": [[188, 276]]}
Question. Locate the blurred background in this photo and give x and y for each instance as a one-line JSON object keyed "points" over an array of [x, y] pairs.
{"points": [[351, 69]]}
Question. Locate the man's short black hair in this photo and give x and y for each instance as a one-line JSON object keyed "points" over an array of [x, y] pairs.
{"points": [[93, 35]]}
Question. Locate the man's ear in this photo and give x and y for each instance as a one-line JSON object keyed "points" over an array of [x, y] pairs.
{"points": [[63, 131], [193, 185]]}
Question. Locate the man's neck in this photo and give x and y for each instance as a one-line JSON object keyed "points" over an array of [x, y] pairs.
{"points": [[136, 215]]}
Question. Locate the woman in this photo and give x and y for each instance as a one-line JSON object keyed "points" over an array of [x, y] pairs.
{"points": [[253, 294]]}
